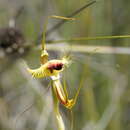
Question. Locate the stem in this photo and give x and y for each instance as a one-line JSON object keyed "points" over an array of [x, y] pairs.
{"points": [[43, 41], [59, 24], [59, 119], [89, 38]]}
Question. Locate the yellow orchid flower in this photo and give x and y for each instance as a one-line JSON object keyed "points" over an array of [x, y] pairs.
{"points": [[50, 68]]}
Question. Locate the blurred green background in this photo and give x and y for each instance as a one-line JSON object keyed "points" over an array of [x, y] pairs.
{"points": [[104, 100]]}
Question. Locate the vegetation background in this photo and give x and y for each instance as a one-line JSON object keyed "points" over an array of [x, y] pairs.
{"points": [[104, 100]]}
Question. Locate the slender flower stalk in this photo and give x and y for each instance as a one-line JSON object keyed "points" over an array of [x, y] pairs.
{"points": [[60, 95], [59, 119]]}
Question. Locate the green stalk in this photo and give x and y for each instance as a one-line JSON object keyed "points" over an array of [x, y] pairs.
{"points": [[89, 38], [59, 119]]}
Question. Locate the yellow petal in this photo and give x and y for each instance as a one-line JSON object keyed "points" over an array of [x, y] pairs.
{"points": [[37, 73]]}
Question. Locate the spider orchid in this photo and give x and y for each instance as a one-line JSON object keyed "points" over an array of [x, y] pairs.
{"points": [[53, 68]]}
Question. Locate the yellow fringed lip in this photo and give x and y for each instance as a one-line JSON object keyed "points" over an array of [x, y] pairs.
{"points": [[50, 68]]}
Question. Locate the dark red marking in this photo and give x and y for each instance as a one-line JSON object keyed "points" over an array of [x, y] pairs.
{"points": [[55, 66]]}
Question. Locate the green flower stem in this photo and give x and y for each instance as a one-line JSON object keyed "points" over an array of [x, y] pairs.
{"points": [[59, 119], [89, 38]]}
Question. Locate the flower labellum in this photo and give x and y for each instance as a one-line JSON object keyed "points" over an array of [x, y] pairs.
{"points": [[50, 68]]}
